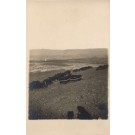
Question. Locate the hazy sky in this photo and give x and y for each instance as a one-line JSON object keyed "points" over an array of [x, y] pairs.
{"points": [[61, 24]]}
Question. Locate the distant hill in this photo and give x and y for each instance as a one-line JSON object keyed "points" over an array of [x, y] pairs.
{"points": [[42, 54]]}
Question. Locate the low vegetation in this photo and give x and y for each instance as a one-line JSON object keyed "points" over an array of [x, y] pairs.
{"points": [[86, 98]]}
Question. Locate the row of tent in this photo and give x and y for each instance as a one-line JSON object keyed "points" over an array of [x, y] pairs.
{"points": [[64, 77], [82, 69], [61, 77], [102, 67]]}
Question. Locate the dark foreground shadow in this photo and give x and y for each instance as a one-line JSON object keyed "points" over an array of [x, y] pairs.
{"points": [[82, 113], [104, 111], [36, 113], [70, 115]]}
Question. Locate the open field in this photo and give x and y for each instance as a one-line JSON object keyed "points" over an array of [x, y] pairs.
{"points": [[82, 94], [60, 101]]}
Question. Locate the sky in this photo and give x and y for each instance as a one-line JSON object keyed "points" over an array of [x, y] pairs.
{"points": [[69, 24]]}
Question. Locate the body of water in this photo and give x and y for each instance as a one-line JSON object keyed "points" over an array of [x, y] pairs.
{"points": [[45, 66]]}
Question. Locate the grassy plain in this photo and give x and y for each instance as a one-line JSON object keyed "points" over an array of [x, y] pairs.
{"points": [[56, 100]]}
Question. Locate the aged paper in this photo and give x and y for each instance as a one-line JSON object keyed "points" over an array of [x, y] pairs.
{"points": [[67, 67]]}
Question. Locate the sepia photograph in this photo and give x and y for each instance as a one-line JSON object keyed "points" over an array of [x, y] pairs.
{"points": [[68, 84], [60, 61], [68, 66]]}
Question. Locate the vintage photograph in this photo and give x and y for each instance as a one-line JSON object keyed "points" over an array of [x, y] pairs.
{"points": [[68, 84], [68, 67], [68, 59]]}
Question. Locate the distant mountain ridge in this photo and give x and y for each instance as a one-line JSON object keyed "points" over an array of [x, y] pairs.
{"points": [[42, 54]]}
